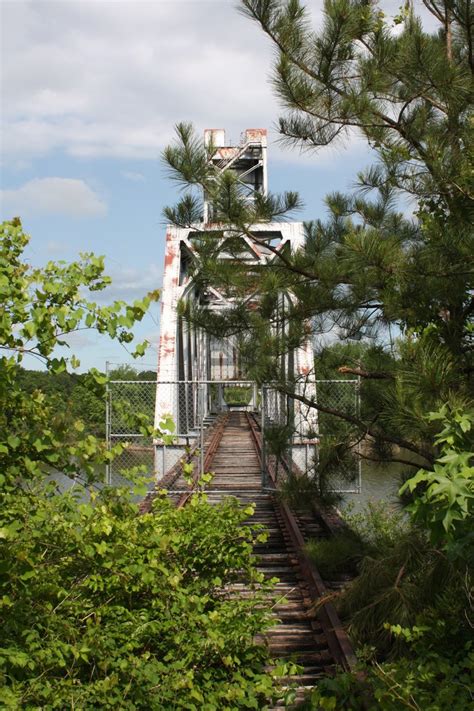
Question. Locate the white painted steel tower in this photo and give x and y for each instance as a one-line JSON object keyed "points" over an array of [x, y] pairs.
{"points": [[187, 353]]}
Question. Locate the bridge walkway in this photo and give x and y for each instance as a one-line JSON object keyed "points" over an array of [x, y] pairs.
{"points": [[315, 641]]}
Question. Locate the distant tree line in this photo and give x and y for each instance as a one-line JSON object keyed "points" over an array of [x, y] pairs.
{"points": [[78, 394]]}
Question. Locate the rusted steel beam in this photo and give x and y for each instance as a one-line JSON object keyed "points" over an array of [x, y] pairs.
{"points": [[338, 641], [175, 471], [313, 640], [209, 454], [169, 478]]}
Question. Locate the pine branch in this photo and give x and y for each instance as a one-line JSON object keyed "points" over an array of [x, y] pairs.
{"points": [[431, 6], [390, 460], [360, 424]]}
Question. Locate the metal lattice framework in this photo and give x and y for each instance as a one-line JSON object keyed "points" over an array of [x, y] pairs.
{"points": [[185, 351], [199, 374]]}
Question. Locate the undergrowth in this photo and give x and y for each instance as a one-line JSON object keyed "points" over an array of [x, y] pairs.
{"points": [[336, 555]]}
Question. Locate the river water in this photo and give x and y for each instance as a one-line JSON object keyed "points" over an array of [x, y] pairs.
{"points": [[378, 483]]}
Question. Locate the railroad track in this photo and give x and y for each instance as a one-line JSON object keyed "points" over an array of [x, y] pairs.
{"points": [[314, 640]]}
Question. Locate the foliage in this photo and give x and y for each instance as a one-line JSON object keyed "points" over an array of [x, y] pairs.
{"points": [[128, 372], [78, 394], [410, 611], [105, 608], [301, 491], [336, 555], [42, 306], [379, 526], [403, 580], [369, 533], [430, 683], [445, 504], [237, 396], [367, 272], [407, 92], [395, 586], [101, 607], [73, 394]]}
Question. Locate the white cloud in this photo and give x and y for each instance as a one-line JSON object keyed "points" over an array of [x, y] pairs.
{"points": [[350, 149], [58, 196], [78, 340], [110, 78], [53, 247], [153, 338], [129, 283]]}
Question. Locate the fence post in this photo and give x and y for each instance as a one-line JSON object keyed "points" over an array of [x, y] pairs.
{"points": [[201, 397], [264, 446], [359, 444], [108, 473]]}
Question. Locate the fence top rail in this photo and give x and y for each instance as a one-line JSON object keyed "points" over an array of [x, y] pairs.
{"points": [[230, 383], [129, 382], [277, 386], [338, 380]]}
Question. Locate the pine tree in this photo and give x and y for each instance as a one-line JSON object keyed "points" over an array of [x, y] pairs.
{"points": [[368, 267]]}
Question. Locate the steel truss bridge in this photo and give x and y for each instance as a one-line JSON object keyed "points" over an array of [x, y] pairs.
{"points": [[227, 425]]}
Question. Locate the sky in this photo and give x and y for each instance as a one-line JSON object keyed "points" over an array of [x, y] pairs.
{"points": [[91, 92]]}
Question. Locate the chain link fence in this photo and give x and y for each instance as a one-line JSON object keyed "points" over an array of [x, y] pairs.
{"points": [[130, 404], [191, 405], [298, 438]]}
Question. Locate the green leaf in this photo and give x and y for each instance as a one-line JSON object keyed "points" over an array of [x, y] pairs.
{"points": [[13, 441]]}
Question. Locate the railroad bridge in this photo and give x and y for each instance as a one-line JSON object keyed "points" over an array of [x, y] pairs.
{"points": [[222, 422], [199, 375], [199, 378]]}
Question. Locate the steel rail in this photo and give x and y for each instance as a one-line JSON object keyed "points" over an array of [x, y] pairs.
{"points": [[173, 474], [211, 449], [338, 640], [309, 628]]}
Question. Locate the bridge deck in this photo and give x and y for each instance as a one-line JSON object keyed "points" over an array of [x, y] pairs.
{"points": [[298, 635]]}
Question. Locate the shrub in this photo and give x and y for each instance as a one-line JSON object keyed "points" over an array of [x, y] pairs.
{"points": [[336, 555], [102, 608]]}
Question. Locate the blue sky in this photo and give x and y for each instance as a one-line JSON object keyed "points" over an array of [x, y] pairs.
{"points": [[91, 91]]}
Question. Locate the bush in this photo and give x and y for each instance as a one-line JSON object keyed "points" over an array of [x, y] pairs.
{"points": [[379, 526], [102, 608], [428, 683]]}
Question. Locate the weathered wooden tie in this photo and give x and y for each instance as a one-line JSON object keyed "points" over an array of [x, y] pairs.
{"points": [[314, 640]]}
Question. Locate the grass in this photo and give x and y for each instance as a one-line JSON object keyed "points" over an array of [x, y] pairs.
{"points": [[336, 555]]}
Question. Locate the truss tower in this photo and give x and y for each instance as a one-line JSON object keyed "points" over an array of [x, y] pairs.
{"points": [[190, 354]]}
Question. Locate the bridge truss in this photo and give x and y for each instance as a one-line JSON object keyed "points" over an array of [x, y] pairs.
{"points": [[199, 375], [187, 353]]}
